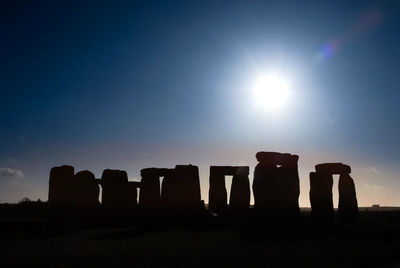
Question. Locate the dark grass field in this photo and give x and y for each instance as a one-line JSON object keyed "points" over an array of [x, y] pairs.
{"points": [[210, 242]]}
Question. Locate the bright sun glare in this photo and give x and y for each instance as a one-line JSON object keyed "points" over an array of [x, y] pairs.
{"points": [[271, 92]]}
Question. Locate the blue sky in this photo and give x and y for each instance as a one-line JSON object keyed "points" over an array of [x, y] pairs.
{"points": [[131, 85]]}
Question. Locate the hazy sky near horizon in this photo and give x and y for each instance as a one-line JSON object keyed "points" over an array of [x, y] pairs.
{"points": [[130, 85]]}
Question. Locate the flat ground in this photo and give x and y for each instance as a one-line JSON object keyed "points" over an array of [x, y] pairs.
{"points": [[373, 242]]}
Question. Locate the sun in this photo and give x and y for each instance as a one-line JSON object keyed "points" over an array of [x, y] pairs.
{"points": [[271, 92]]}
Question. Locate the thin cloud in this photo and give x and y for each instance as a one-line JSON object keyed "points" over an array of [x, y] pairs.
{"points": [[11, 173], [372, 169], [374, 188]]}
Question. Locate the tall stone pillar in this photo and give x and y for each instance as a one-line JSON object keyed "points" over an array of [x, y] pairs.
{"points": [[321, 196], [86, 192], [187, 189], [61, 188], [290, 185], [217, 195], [239, 200], [169, 190], [348, 206], [321, 192], [265, 183], [115, 194], [149, 195], [276, 185]]}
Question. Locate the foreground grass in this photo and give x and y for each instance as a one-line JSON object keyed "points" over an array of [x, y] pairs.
{"points": [[374, 242]]}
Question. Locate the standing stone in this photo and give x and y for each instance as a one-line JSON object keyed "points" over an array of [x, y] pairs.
{"points": [[239, 200], [321, 197], [348, 207], [290, 185], [187, 197], [169, 186], [61, 188], [115, 195], [266, 182], [333, 168], [86, 193], [276, 185], [149, 195], [217, 196]]}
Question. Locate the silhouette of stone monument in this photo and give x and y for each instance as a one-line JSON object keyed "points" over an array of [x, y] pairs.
{"points": [[276, 185], [217, 195], [149, 195], [265, 180], [348, 205], [291, 183], [240, 189], [180, 191], [169, 186], [321, 196], [116, 191], [86, 191], [333, 168], [321, 183], [61, 187], [183, 193], [75, 193]]}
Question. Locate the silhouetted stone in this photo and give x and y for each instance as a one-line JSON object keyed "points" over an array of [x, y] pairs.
{"points": [[149, 195], [61, 186], [115, 194], [289, 176], [333, 168], [168, 188], [276, 185], [180, 191], [321, 197], [266, 188], [185, 189], [217, 195], [270, 158], [348, 207], [239, 200], [86, 190]]}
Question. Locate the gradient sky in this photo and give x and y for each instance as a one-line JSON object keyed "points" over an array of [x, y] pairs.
{"points": [[130, 85]]}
